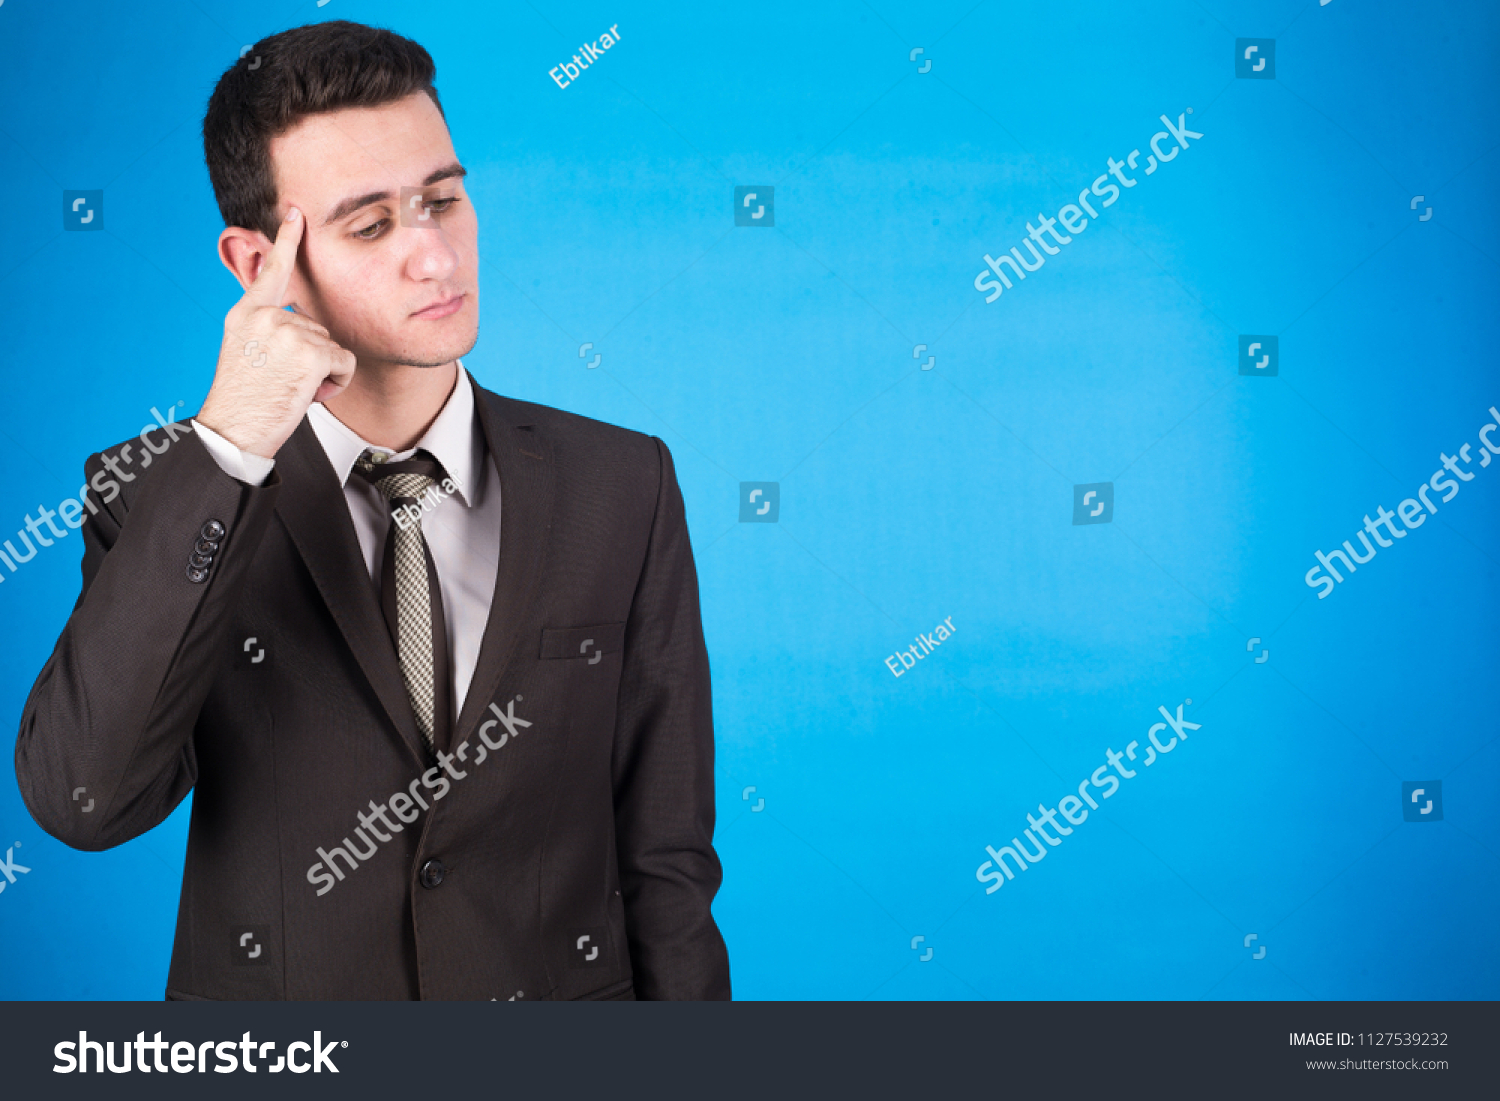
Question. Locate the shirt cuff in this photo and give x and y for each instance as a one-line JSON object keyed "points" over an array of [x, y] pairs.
{"points": [[250, 469]]}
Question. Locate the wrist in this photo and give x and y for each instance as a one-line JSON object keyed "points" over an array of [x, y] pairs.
{"points": [[247, 437]]}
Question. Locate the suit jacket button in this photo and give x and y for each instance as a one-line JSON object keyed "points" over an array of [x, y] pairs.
{"points": [[432, 873], [197, 575], [212, 530], [200, 561], [206, 546]]}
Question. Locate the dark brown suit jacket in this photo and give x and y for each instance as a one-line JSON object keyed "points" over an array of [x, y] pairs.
{"points": [[569, 858]]}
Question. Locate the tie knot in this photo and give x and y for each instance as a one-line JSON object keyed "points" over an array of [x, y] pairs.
{"points": [[400, 482]]}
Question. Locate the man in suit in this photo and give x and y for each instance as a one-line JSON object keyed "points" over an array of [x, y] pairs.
{"points": [[431, 657]]}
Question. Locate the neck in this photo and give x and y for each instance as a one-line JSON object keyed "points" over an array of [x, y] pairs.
{"points": [[391, 405]]}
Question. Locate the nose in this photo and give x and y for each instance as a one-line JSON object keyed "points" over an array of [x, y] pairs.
{"points": [[431, 255]]}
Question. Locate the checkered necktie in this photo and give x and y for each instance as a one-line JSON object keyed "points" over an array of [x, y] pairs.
{"points": [[409, 592]]}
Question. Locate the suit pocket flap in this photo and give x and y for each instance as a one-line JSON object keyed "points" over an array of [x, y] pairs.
{"points": [[583, 642]]}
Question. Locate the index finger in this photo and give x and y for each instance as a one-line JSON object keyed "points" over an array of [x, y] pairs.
{"points": [[269, 288]]}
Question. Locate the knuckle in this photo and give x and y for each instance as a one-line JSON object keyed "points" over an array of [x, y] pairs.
{"points": [[260, 319]]}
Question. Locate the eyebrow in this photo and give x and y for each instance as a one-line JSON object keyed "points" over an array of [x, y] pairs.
{"points": [[357, 202]]}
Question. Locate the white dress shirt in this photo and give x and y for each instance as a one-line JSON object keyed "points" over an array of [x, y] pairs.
{"points": [[462, 531]]}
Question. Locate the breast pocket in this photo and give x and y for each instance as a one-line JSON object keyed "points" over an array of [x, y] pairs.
{"points": [[585, 644]]}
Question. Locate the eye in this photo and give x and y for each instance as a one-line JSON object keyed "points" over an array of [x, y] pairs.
{"points": [[376, 230]]}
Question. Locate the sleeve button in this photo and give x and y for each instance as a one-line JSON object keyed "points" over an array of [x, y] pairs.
{"points": [[212, 530], [432, 874]]}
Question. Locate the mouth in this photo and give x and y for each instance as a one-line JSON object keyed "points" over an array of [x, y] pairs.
{"points": [[444, 308]]}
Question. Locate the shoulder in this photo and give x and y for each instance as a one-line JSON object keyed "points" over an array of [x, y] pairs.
{"points": [[599, 466], [579, 438]]}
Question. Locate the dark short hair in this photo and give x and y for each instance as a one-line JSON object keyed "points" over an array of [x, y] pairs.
{"points": [[304, 71]]}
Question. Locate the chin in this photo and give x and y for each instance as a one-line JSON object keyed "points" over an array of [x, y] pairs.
{"points": [[433, 359], [434, 351]]}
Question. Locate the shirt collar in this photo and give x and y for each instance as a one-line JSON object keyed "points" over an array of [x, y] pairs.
{"points": [[454, 439]]}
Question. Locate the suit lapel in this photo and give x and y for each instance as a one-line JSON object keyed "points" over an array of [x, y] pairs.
{"points": [[523, 455], [315, 513]]}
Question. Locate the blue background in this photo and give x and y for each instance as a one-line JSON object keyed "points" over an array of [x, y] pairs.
{"points": [[785, 355]]}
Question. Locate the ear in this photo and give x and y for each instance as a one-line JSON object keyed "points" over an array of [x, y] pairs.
{"points": [[243, 251]]}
